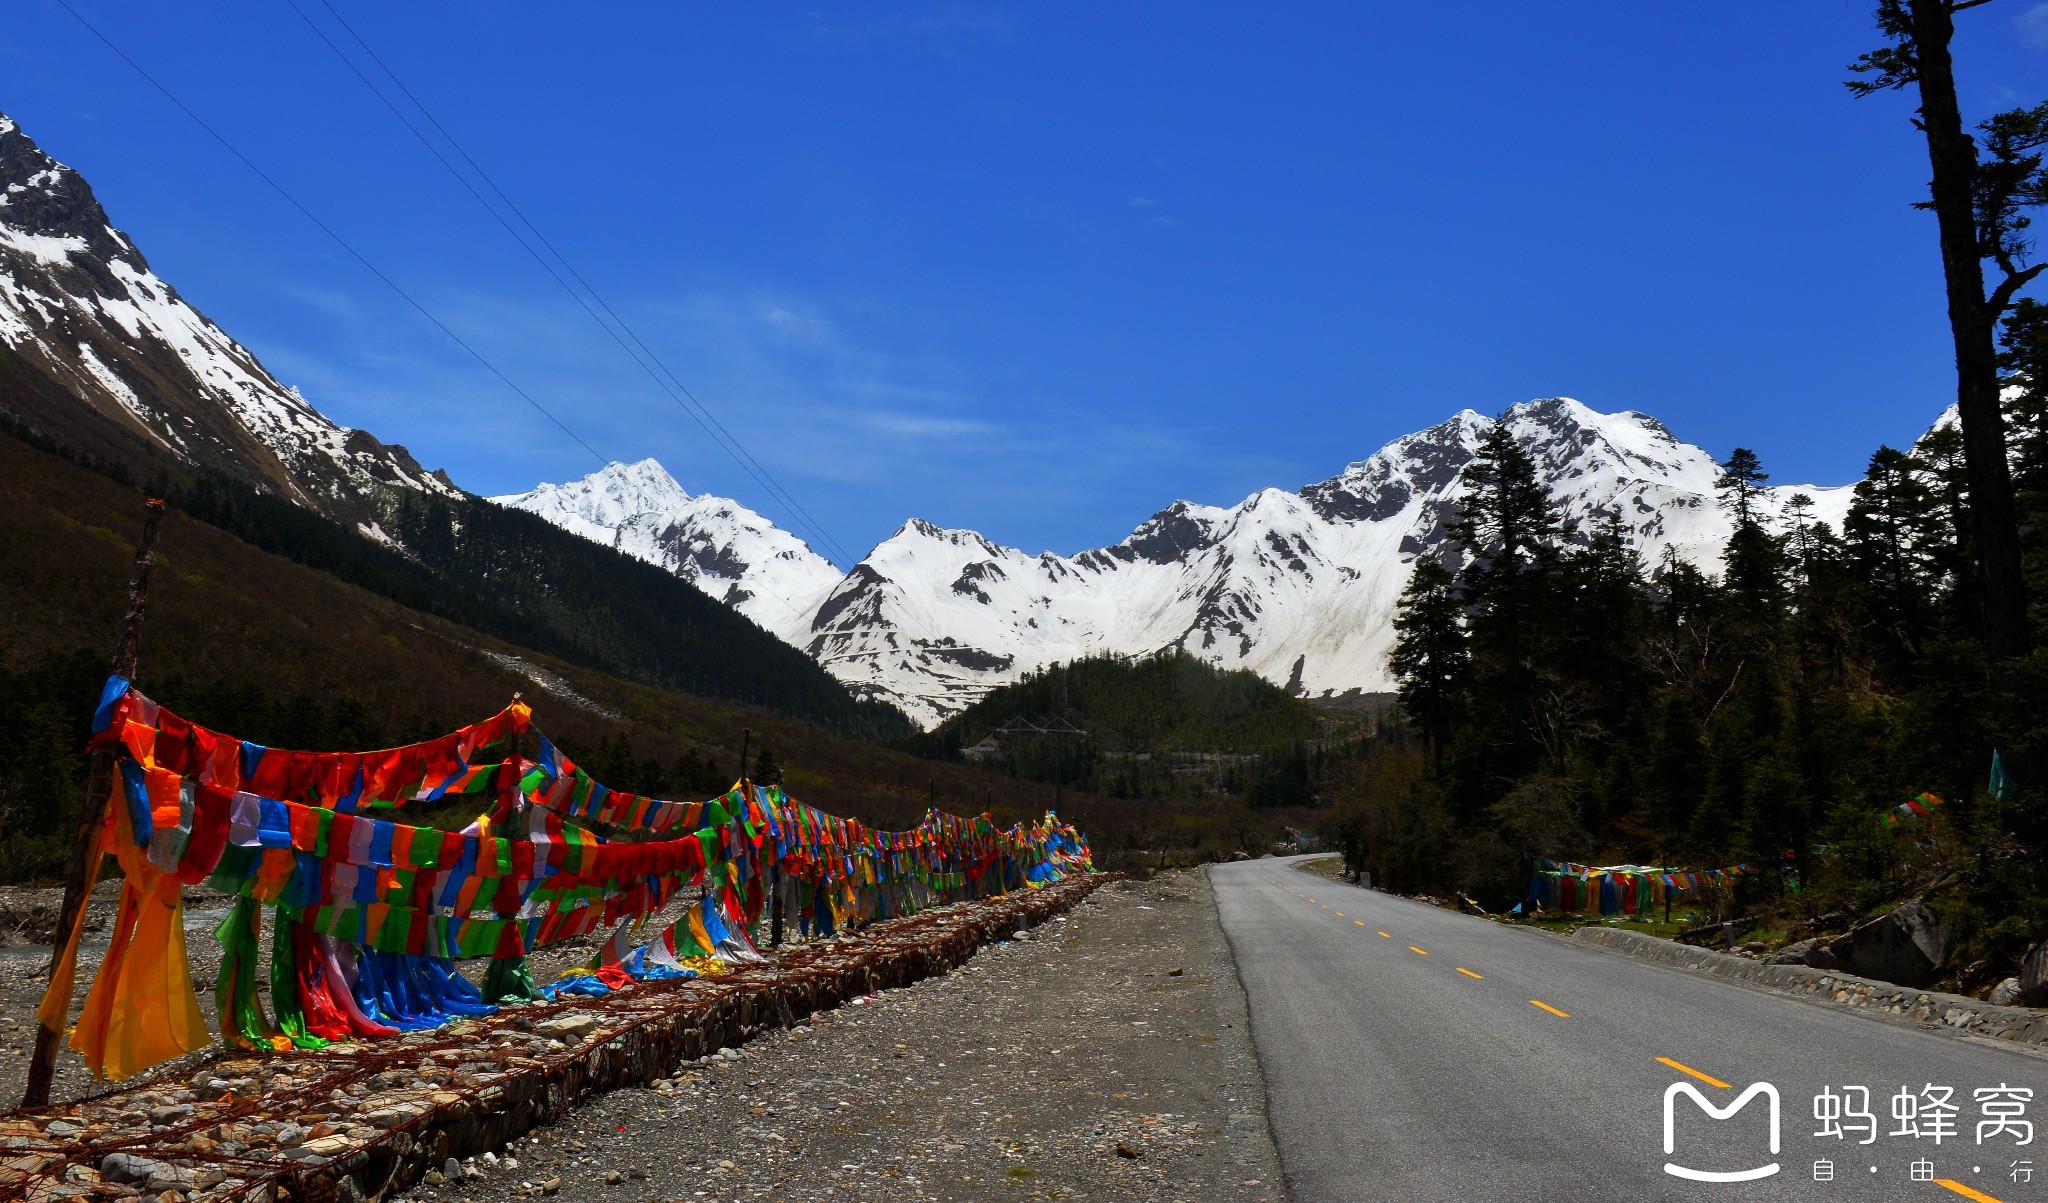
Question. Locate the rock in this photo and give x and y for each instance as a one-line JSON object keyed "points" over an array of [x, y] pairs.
{"points": [[2034, 976], [1906, 946], [1125, 1150], [1813, 953], [549, 1186], [331, 1145], [170, 1114], [1176, 971], [434, 1177], [126, 1169], [613, 1177], [452, 1170], [569, 1027], [169, 1177], [2005, 993]]}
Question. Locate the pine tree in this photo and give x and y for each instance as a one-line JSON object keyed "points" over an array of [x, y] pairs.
{"points": [[1429, 658], [766, 769], [1979, 205], [1509, 530], [1741, 481], [1888, 531]]}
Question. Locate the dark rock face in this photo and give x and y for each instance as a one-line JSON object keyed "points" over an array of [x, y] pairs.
{"points": [[1170, 535], [1813, 953], [1907, 946], [2033, 983]]}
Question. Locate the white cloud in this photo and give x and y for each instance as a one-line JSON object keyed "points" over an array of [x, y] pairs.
{"points": [[835, 396], [2033, 26]]}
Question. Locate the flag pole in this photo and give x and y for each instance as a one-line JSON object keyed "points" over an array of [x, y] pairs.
{"points": [[99, 783]]}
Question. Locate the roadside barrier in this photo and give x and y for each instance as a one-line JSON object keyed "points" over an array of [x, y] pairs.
{"points": [[366, 1121]]}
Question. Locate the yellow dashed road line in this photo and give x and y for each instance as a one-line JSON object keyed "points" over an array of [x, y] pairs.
{"points": [[1547, 1007], [1966, 1192], [1417, 951], [1469, 973], [1709, 1079]]}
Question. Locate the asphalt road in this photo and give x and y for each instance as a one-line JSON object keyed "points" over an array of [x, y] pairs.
{"points": [[1412, 1053]]}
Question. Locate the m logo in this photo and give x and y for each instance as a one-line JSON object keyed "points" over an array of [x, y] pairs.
{"points": [[1670, 1131]]}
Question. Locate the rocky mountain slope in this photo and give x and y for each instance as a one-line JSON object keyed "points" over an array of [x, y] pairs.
{"points": [[1297, 586], [102, 363], [80, 305], [100, 355]]}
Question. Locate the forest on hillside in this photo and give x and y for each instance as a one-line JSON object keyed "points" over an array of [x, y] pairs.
{"points": [[1851, 718], [1167, 725], [1562, 700]]}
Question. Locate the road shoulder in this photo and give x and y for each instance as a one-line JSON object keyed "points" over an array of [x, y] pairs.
{"points": [[1033, 1072]]}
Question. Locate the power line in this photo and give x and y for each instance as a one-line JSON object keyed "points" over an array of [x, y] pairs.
{"points": [[666, 379], [327, 229]]}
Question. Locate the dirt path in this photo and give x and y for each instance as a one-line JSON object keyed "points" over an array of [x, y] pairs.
{"points": [[1021, 1076]]}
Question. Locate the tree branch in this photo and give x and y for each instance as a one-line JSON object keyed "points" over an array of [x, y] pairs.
{"points": [[2001, 297]]}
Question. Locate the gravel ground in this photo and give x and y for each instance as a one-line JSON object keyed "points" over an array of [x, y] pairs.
{"points": [[24, 975], [1107, 1056]]}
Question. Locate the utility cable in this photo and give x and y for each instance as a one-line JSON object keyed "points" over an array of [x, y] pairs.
{"points": [[545, 266], [678, 392], [328, 230]]}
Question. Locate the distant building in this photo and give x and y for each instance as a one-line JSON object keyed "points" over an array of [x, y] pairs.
{"points": [[987, 749], [1304, 841]]}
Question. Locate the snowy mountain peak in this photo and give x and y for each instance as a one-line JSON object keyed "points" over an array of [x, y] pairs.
{"points": [[717, 544], [605, 498], [1300, 587], [78, 300]]}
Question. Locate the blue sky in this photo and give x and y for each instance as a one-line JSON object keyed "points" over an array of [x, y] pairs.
{"points": [[1041, 269]]}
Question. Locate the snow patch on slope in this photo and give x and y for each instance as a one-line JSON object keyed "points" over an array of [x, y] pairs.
{"points": [[934, 617], [721, 546]]}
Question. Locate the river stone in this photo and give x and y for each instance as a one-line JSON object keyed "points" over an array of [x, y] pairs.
{"points": [[570, 1026], [170, 1177], [1906, 946], [126, 1168]]}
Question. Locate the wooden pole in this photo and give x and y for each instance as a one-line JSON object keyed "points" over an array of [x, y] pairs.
{"points": [[99, 785]]}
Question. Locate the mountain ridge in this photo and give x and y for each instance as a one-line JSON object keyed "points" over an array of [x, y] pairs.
{"points": [[79, 302], [105, 364], [1298, 586]]}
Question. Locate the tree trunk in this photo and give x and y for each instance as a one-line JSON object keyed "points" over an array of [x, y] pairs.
{"points": [[1953, 156]]}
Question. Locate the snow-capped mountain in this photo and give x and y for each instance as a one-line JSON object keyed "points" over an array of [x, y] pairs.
{"points": [[79, 302], [1299, 587], [720, 546]]}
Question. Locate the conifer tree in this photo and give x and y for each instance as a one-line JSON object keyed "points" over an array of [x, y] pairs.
{"points": [[1980, 191], [1888, 531], [1429, 658]]}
